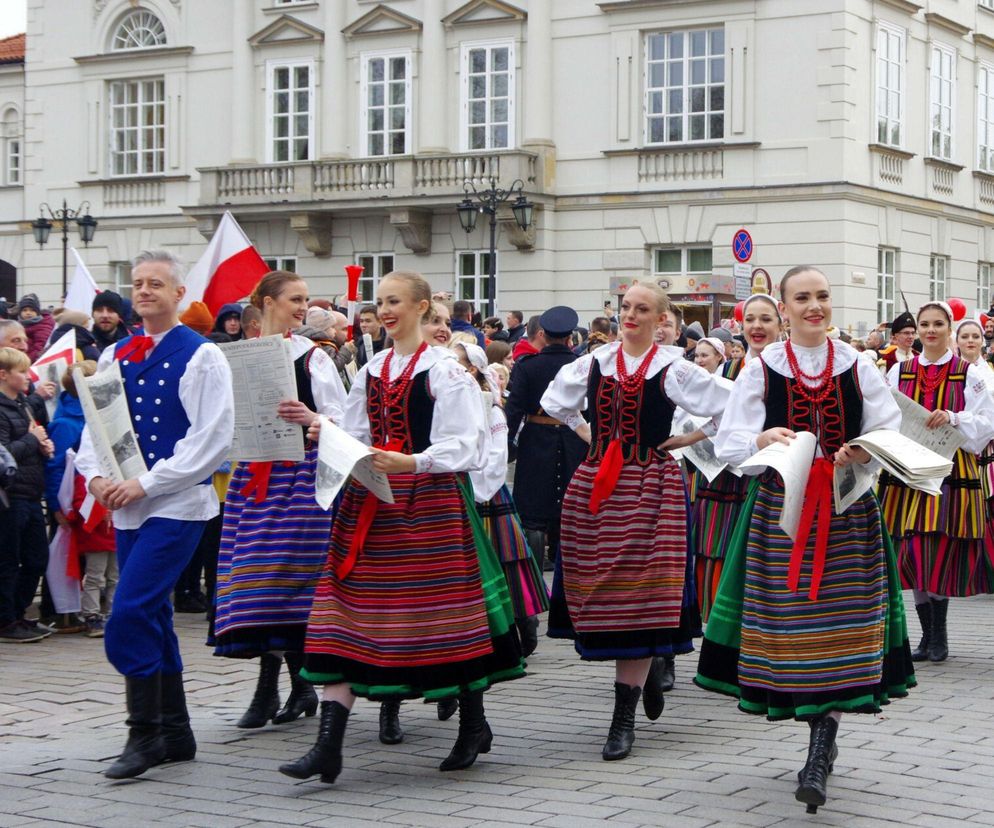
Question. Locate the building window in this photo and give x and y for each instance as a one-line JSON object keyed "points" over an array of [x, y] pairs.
{"points": [[13, 161], [941, 85], [376, 266], [886, 283], [985, 117], [10, 144], [120, 276], [685, 86], [139, 29], [937, 269], [290, 111], [987, 4], [890, 85], [287, 263], [983, 285], [487, 96], [472, 283], [138, 127], [668, 262], [385, 92]]}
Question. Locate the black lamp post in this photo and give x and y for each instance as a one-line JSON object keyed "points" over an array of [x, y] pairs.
{"points": [[42, 227], [487, 201]]}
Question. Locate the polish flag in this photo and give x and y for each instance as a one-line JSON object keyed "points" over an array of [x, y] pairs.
{"points": [[61, 353], [228, 271], [82, 289]]}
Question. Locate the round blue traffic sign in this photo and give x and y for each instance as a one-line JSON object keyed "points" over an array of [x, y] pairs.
{"points": [[742, 245]]}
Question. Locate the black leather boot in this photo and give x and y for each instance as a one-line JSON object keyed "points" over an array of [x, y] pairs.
{"points": [[653, 700], [302, 701], [266, 700], [447, 709], [813, 778], [325, 757], [832, 755], [668, 678], [536, 542], [920, 653], [145, 747], [938, 644], [391, 733], [528, 630], [622, 733], [181, 746], [475, 736]]}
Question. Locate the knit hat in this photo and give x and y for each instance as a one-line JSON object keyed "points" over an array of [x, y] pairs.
{"points": [[109, 299], [723, 334], [198, 317], [29, 300], [319, 318], [694, 331]]}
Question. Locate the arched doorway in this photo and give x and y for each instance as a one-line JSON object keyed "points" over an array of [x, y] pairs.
{"points": [[8, 281]]}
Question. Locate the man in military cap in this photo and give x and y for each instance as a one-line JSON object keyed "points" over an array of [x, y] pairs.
{"points": [[548, 453], [902, 340]]}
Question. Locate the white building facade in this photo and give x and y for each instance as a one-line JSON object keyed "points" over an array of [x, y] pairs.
{"points": [[855, 135]]}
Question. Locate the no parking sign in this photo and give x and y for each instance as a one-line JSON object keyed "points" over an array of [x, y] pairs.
{"points": [[742, 245]]}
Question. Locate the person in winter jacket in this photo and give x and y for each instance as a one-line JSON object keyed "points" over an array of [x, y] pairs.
{"points": [[37, 324], [23, 540], [66, 320], [229, 321], [109, 319]]}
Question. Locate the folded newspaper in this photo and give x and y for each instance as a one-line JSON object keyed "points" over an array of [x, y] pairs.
{"points": [[701, 453], [340, 456], [105, 408], [944, 440], [914, 464]]}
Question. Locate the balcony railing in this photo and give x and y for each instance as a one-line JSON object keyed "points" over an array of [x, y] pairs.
{"points": [[396, 177]]}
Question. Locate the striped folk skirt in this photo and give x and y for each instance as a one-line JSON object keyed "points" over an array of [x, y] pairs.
{"points": [[786, 655], [425, 611], [713, 516], [986, 461], [622, 572], [944, 542], [525, 583], [271, 556]]}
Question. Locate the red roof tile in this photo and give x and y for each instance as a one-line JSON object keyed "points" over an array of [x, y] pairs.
{"points": [[12, 49]]}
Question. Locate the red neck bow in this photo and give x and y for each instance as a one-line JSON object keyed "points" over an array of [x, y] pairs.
{"points": [[136, 349]]}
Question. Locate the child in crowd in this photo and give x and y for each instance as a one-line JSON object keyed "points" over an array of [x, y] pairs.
{"points": [[37, 325]]}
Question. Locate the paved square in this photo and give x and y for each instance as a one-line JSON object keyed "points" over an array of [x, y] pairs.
{"points": [[928, 760]]}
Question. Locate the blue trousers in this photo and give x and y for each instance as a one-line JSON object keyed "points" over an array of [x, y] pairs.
{"points": [[139, 637]]}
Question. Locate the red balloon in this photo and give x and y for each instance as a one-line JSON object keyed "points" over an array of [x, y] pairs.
{"points": [[958, 307], [739, 311]]}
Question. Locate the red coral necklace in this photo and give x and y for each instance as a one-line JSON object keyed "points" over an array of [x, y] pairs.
{"points": [[927, 383], [629, 382], [393, 392], [824, 383]]}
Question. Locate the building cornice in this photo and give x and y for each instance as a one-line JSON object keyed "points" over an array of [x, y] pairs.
{"points": [[942, 163], [135, 54], [983, 40], [468, 14], [679, 148], [884, 149], [273, 34], [946, 23], [380, 20], [908, 6], [630, 5]]}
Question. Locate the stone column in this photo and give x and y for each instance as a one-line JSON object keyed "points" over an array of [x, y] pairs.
{"points": [[244, 127], [333, 124], [433, 94], [536, 86]]}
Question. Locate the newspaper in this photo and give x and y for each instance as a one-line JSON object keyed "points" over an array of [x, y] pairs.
{"points": [[916, 465], [792, 460], [944, 440], [701, 453], [262, 375], [340, 456], [850, 483], [105, 408]]}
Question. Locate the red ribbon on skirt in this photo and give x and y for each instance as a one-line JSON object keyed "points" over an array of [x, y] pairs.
{"points": [[818, 511], [607, 475], [258, 482], [370, 505]]}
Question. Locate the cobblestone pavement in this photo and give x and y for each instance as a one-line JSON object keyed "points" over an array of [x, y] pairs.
{"points": [[929, 760]]}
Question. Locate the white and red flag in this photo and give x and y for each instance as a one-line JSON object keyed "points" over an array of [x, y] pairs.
{"points": [[82, 289], [228, 271]]}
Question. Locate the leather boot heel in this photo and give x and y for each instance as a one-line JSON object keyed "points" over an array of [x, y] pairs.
{"points": [[621, 735], [938, 647], [475, 736], [145, 747], [812, 787], [303, 700], [325, 758], [920, 653], [266, 699]]}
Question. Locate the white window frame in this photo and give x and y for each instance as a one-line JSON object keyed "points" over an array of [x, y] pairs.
{"points": [[888, 31], [686, 88], [941, 99], [287, 263], [985, 116], [364, 132], [13, 161], [987, 4], [886, 283], [685, 251], [984, 273], [120, 276], [291, 65], [479, 300], [146, 15], [938, 278], [464, 125], [141, 150], [372, 279]]}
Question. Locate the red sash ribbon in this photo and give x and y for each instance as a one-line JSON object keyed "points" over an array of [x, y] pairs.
{"points": [[370, 505], [607, 475], [817, 511], [258, 482], [136, 349]]}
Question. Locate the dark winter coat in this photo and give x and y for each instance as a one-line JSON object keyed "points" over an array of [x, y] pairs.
{"points": [[85, 343], [38, 331], [15, 417]]}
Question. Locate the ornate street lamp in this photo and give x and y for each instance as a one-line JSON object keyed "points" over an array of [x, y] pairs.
{"points": [[85, 223], [487, 201]]}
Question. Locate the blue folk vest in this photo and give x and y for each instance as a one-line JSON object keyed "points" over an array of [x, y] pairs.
{"points": [[152, 389]]}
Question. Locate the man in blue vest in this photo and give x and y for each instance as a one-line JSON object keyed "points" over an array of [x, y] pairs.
{"points": [[178, 388]]}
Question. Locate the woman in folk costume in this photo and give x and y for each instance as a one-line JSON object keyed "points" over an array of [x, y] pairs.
{"points": [[624, 543], [496, 508], [274, 537], [410, 604], [944, 542], [970, 343], [813, 628]]}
